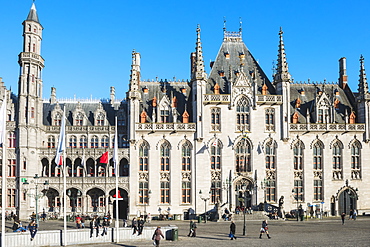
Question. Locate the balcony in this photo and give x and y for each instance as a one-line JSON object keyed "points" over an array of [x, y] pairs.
{"points": [[327, 127], [178, 127], [269, 99], [216, 99]]}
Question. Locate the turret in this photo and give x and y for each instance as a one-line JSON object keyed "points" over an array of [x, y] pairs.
{"points": [[343, 78], [363, 87]]}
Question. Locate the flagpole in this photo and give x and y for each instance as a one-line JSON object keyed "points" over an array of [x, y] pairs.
{"points": [[64, 181], [115, 158], [3, 169]]}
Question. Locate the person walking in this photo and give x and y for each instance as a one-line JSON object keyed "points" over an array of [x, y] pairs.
{"points": [[94, 225], [190, 229], [157, 236], [134, 225], [350, 214], [354, 214], [232, 230], [343, 216], [264, 229], [33, 229]]}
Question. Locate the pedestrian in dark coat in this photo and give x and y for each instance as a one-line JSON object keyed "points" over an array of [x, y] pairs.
{"points": [[140, 225], [105, 226], [343, 216], [264, 229], [157, 235], [232, 230], [33, 229], [94, 225]]}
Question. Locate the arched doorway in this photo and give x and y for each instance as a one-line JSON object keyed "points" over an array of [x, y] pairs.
{"points": [[53, 200], [122, 203], [244, 192], [347, 200], [96, 200]]}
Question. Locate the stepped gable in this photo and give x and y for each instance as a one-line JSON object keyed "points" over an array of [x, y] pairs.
{"points": [[311, 97], [234, 57]]}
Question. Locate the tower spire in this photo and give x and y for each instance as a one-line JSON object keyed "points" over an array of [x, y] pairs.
{"points": [[32, 15], [282, 73], [199, 64], [363, 87]]}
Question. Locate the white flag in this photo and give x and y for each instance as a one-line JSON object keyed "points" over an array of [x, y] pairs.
{"points": [[115, 151], [83, 158], [214, 143], [61, 143], [3, 122]]}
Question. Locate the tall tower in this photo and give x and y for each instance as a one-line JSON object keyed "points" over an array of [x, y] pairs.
{"points": [[134, 95], [282, 82], [198, 81], [363, 99], [29, 110]]}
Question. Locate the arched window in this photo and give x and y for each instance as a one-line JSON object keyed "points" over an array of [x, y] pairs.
{"points": [[356, 160], [143, 192], [270, 155], [94, 142], [317, 156], [242, 115], [186, 156], [143, 157], [73, 142], [51, 142], [215, 119], [270, 119], [243, 156], [298, 156], [83, 142], [216, 155], [337, 156], [105, 142], [186, 192], [165, 157]]}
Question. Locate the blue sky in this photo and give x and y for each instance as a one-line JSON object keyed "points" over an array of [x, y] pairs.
{"points": [[87, 45]]}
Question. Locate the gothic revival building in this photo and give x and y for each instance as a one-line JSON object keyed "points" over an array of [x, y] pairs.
{"points": [[231, 136]]}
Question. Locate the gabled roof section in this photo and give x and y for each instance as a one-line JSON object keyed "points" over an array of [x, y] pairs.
{"points": [[232, 59], [32, 15]]}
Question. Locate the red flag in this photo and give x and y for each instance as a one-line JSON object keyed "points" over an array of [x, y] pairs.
{"points": [[104, 158]]}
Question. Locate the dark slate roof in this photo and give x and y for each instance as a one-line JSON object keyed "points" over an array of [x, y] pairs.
{"points": [[160, 89], [311, 97], [88, 108], [232, 64], [32, 15]]}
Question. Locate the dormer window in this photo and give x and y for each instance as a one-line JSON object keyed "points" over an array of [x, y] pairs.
{"points": [[100, 120], [227, 55]]}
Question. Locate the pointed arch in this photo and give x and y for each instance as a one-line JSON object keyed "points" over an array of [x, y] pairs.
{"points": [[242, 109], [270, 147], [356, 147], [165, 151], [243, 151]]}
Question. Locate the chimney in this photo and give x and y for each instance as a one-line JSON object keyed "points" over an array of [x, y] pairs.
{"points": [[342, 73]]}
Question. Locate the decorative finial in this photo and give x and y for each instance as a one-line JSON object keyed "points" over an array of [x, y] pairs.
{"points": [[224, 24], [240, 24]]}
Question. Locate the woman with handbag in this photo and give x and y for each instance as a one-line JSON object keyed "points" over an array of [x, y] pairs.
{"points": [[264, 229], [157, 236], [232, 230]]}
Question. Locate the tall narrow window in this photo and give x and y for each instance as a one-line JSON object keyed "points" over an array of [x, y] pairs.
{"points": [[12, 168], [298, 156], [317, 190], [143, 192], [216, 155], [298, 190], [317, 156], [242, 115], [270, 157], [271, 191], [337, 156], [186, 192], [186, 156], [11, 198], [143, 157], [165, 192], [356, 160], [32, 112], [215, 119], [216, 190], [165, 157], [243, 156], [165, 115], [270, 119]]}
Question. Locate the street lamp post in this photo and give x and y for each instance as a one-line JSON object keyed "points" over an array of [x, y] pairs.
{"points": [[226, 186], [245, 191], [36, 196], [205, 199]]}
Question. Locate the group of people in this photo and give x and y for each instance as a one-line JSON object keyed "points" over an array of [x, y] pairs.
{"points": [[352, 215], [32, 227], [263, 230], [96, 224], [137, 225]]}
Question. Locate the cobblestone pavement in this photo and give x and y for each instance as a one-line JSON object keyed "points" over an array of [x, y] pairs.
{"points": [[326, 232]]}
